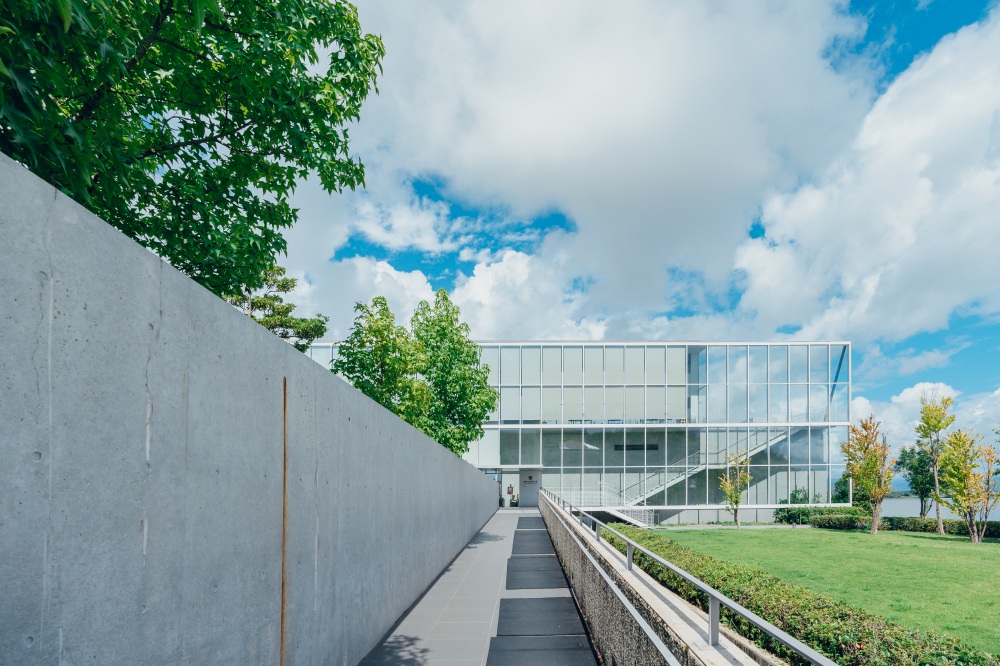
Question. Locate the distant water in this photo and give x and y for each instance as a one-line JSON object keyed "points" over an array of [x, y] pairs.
{"points": [[910, 506]]}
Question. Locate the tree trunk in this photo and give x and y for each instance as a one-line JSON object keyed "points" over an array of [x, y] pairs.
{"points": [[736, 516], [937, 493], [876, 514], [925, 506]]}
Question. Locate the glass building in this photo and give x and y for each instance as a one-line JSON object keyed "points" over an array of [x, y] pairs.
{"points": [[646, 426]]}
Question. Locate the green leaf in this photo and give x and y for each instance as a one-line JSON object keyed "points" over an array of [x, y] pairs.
{"points": [[65, 10]]}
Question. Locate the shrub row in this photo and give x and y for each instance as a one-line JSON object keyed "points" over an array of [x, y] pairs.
{"points": [[795, 515], [899, 523], [849, 636]]}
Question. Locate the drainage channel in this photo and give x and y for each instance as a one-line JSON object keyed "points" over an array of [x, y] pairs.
{"points": [[539, 622]]}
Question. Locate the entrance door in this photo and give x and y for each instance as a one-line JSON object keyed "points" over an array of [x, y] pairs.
{"points": [[531, 480]]}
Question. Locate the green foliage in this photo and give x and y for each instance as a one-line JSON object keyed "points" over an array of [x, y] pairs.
{"points": [[869, 464], [929, 525], [845, 522], [735, 482], [934, 420], [801, 515], [186, 124], [460, 394], [268, 308], [850, 636], [379, 359], [915, 465], [431, 377], [969, 484]]}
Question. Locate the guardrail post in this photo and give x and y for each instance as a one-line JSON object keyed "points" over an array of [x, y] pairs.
{"points": [[629, 556], [597, 528], [713, 621]]}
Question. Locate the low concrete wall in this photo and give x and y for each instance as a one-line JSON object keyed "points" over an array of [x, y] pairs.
{"points": [[179, 485]]}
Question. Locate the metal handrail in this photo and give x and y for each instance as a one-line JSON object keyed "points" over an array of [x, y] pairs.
{"points": [[716, 599]]}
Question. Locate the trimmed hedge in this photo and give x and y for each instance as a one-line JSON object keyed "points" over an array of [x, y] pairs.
{"points": [[842, 522], [951, 525], [796, 514], [847, 635]]}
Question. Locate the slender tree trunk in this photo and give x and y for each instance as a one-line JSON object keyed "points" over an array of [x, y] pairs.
{"points": [[736, 515], [937, 493], [876, 515], [925, 506]]}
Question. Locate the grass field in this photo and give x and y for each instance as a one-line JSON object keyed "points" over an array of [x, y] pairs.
{"points": [[944, 584]]}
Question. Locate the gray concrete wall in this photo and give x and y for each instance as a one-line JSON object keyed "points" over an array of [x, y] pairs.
{"points": [[177, 485]]}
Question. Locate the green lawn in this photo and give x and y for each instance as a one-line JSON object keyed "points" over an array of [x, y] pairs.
{"points": [[945, 584]]}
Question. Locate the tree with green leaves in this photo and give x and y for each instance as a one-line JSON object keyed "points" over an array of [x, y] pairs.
{"points": [[869, 464], [460, 394], [735, 482], [267, 307], [380, 359], [187, 123], [915, 465], [969, 484], [934, 420]]}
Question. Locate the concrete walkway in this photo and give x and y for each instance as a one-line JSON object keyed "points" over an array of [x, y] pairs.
{"points": [[503, 600]]}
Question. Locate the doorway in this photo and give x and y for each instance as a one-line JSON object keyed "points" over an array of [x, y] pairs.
{"points": [[530, 482]]}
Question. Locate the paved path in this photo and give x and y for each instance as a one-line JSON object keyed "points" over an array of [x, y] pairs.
{"points": [[503, 600]]}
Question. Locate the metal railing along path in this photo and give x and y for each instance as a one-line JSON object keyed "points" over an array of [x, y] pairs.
{"points": [[716, 599]]}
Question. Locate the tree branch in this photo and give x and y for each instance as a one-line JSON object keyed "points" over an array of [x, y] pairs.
{"points": [[194, 142]]}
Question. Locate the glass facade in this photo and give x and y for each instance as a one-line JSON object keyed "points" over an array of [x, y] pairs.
{"points": [[651, 424]]}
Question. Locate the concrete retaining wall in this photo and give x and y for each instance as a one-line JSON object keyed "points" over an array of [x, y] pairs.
{"points": [[177, 485]]}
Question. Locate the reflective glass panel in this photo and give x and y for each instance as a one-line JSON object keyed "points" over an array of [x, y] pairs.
{"points": [[819, 364], [838, 435], [799, 450], [778, 403], [593, 447], [634, 486], [614, 446], [737, 364], [531, 366], [676, 486], [798, 403], [697, 446], [818, 446], [676, 446], [593, 364], [798, 485], [697, 404], [819, 483], [509, 447], [573, 404], [531, 446], [491, 357], [489, 449], [779, 446], [614, 365], [778, 364], [551, 404], [635, 404], [551, 448], [718, 443], [634, 371], [572, 447], [716, 403], [510, 405], [715, 494], [531, 405], [572, 365], [676, 411], [635, 446], [841, 489], [697, 487], [738, 439], [757, 446], [593, 404], [819, 409], [758, 403], [840, 363], [777, 482], [592, 486], [656, 365], [614, 404], [656, 447], [798, 364], [676, 370], [551, 365], [757, 364], [510, 366], [717, 365], [697, 364], [757, 492], [614, 480], [839, 402], [656, 407], [737, 403]]}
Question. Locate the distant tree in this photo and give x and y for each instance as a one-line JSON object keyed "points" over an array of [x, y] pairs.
{"points": [[379, 358], [267, 307], [735, 483], [969, 483], [934, 420], [460, 394], [187, 124], [869, 464], [915, 465], [842, 493]]}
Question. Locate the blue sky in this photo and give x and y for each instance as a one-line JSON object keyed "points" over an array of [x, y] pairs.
{"points": [[757, 170]]}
